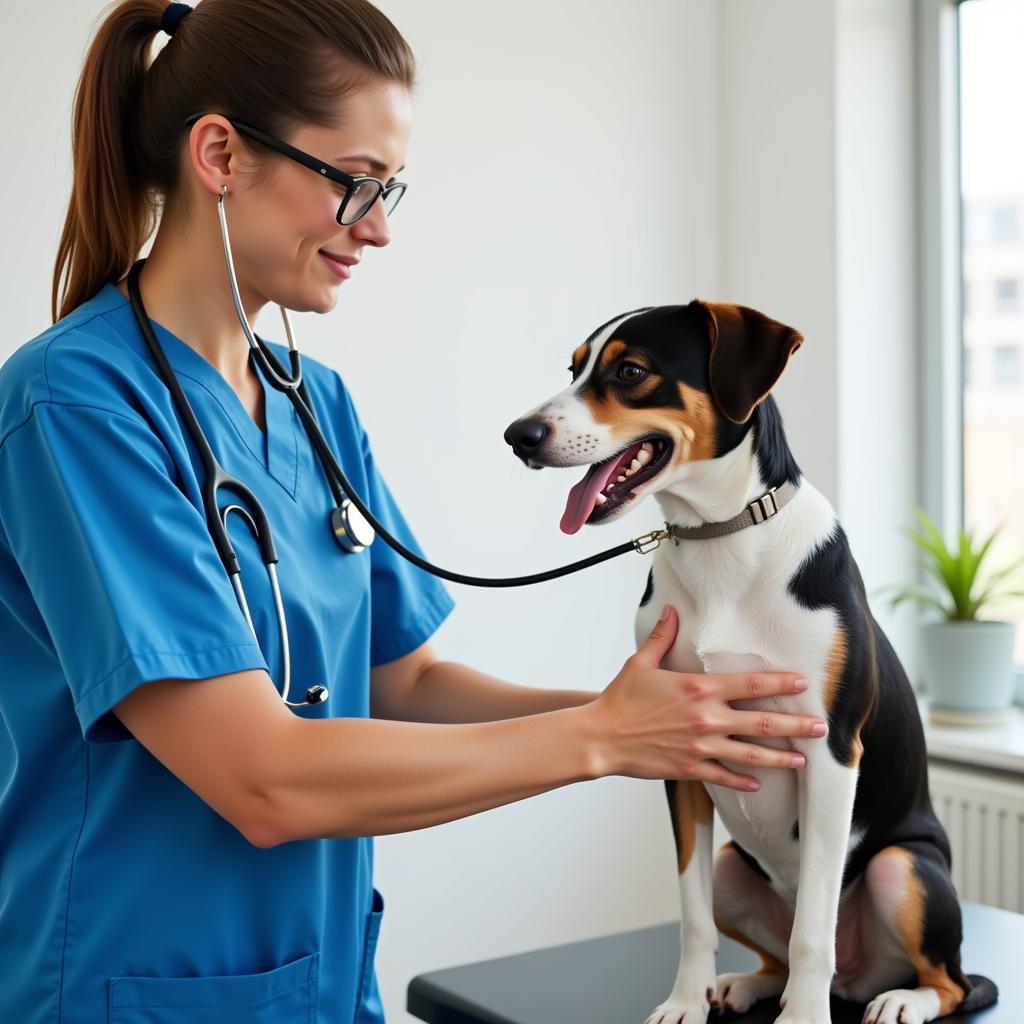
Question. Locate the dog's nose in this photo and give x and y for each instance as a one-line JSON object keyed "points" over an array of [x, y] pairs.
{"points": [[526, 436]]}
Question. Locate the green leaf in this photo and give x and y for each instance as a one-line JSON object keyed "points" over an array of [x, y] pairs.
{"points": [[920, 596]]}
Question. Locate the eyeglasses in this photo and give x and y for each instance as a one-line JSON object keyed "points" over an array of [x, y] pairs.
{"points": [[360, 192]]}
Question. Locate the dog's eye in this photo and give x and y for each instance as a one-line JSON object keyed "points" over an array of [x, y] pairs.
{"points": [[623, 372]]}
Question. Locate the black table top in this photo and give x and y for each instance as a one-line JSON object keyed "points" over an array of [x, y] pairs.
{"points": [[619, 979]]}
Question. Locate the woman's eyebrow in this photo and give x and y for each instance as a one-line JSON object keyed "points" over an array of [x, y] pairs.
{"points": [[375, 164]]}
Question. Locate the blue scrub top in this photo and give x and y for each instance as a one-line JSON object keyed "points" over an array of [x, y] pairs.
{"points": [[124, 897]]}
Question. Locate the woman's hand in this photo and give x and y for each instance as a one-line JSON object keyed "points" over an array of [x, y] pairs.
{"points": [[652, 723]]}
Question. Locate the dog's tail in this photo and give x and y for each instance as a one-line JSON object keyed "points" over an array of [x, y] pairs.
{"points": [[981, 992]]}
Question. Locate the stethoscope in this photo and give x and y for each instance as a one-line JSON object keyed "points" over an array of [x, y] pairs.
{"points": [[353, 525]]}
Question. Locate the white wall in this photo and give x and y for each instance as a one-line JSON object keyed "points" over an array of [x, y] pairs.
{"points": [[816, 199], [572, 160]]}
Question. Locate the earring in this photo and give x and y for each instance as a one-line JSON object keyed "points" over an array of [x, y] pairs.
{"points": [[223, 190]]}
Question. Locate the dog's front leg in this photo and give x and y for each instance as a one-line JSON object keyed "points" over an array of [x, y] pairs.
{"points": [[825, 790], [689, 1000]]}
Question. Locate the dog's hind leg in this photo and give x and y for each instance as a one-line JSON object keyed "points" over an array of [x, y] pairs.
{"points": [[750, 911], [688, 1002], [917, 904]]}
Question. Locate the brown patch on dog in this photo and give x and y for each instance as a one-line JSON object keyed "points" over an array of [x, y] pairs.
{"points": [[693, 429], [700, 414], [749, 351], [909, 922], [691, 806], [610, 352], [769, 964], [579, 357], [834, 668]]}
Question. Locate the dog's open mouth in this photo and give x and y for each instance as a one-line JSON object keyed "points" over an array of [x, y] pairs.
{"points": [[594, 498]]}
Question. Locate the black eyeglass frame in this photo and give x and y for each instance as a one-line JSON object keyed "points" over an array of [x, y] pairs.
{"points": [[325, 170]]}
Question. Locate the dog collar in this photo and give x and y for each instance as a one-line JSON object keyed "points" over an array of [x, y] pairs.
{"points": [[759, 510]]}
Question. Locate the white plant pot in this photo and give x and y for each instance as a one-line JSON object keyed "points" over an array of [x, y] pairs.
{"points": [[968, 666]]}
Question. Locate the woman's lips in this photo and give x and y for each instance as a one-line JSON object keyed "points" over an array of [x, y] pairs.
{"points": [[341, 265]]}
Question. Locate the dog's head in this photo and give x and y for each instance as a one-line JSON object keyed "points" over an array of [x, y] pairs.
{"points": [[652, 391]]}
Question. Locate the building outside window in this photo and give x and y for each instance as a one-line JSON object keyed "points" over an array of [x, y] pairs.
{"points": [[991, 90]]}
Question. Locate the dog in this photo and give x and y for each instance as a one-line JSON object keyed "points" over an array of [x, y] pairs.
{"points": [[674, 401]]}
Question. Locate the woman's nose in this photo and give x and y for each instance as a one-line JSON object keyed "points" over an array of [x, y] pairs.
{"points": [[373, 227]]}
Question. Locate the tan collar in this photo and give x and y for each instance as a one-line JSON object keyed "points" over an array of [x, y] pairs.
{"points": [[758, 511]]}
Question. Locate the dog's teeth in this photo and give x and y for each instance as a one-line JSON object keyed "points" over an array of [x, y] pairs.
{"points": [[643, 456], [601, 499], [635, 465], [621, 478], [647, 447]]}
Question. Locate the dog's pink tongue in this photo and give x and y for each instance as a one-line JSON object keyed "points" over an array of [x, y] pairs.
{"points": [[583, 497]]}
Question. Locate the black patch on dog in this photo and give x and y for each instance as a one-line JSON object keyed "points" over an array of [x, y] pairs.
{"points": [[828, 577], [891, 804], [670, 793], [649, 588], [943, 927], [774, 459], [795, 831]]}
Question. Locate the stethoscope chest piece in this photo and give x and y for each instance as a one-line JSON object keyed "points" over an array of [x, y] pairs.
{"points": [[351, 528]]}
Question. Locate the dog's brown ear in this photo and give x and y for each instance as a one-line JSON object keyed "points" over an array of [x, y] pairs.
{"points": [[749, 351]]}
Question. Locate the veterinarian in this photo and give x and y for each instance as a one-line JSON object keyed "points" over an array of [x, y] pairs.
{"points": [[177, 843]]}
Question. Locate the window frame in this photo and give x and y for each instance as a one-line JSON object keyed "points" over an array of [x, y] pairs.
{"points": [[941, 299]]}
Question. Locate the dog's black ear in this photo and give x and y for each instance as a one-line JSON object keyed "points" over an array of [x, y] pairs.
{"points": [[749, 351]]}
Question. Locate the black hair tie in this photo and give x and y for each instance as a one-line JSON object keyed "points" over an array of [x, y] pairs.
{"points": [[173, 13]]}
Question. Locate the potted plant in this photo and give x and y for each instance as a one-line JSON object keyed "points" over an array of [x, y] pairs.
{"points": [[967, 660]]}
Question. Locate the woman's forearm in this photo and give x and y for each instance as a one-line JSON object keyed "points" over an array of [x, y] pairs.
{"points": [[335, 777], [451, 692]]}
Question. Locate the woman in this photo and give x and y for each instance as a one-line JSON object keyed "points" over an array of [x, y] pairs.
{"points": [[177, 844]]}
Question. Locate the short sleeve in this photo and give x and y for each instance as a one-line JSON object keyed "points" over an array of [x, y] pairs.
{"points": [[118, 560], [407, 602]]}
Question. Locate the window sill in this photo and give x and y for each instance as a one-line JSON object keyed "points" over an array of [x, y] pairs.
{"points": [[1000, 747]]}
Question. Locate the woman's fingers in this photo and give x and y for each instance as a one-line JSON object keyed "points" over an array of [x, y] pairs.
{"points": [[771, 723], [713, 771], [753, 755], [745, 686]]}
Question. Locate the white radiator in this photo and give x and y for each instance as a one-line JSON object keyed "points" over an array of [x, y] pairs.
{"points": [[984, 816]]}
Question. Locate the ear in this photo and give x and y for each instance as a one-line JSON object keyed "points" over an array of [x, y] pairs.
{"points": [[749, 351]]}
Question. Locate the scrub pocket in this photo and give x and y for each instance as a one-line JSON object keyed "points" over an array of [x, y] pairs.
{"points": [[368, 1005], [284, 995]]}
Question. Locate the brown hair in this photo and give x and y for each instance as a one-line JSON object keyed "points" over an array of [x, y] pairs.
{"points": [[278, 64]]}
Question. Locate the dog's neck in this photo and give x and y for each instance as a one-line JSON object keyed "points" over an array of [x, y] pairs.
{"points": [[715, 490]]}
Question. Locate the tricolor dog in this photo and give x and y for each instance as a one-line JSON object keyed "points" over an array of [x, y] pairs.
{"points": [[674, 401]]}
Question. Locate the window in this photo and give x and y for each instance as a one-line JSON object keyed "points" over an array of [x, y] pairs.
{"points": [[990, 83], [1005, 223], [1006, 294], [1007, 364]]}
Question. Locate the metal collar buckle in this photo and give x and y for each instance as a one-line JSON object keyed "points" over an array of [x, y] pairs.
{"points": [[764, 507]]}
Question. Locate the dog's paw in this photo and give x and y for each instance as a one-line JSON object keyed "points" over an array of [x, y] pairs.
{"points": [[682, 1009], [797, 1010], [737, 992], [819, 1015], [902, 1006]]}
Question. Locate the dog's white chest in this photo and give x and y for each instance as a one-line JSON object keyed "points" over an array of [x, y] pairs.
{"points": [[737, 615]]}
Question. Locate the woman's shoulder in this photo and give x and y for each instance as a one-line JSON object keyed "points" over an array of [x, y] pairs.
{"points": [[331, 395], [82, 359]]}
